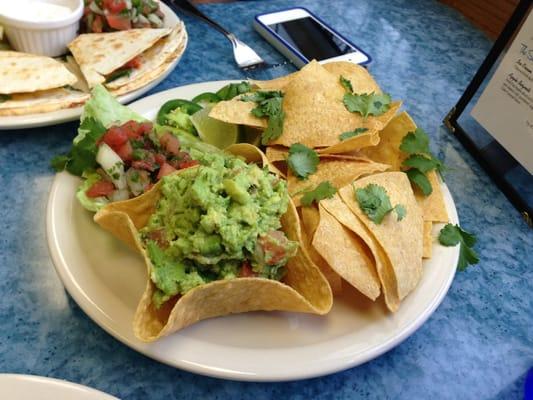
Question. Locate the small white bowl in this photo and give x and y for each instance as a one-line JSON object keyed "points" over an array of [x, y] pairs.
{"points": [[49, 38]]}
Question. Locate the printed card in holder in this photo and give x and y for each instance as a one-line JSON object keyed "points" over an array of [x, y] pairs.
{"points": [[494, 117]]}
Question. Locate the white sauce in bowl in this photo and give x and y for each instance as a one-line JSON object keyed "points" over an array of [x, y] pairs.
{"points": [[34, 10]]}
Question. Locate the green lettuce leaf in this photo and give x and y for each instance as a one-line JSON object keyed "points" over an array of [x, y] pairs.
{"points": [[91, 204]]}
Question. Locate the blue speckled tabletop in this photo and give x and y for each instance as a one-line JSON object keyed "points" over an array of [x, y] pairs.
{"points": [[477, 345]]}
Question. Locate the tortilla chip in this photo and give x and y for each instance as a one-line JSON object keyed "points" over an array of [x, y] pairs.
{"points": [[42, 101], [402, 240], [310, 220], [28, 73], [274, 84], [360, 78], [236, 111], [339, 171], [433, 206], [388, 151], [427, 240], [304, 288], [152, 59], [99, 54], [349, 256], [315, 114], [362, 81], [366, 139], [337, 208]]}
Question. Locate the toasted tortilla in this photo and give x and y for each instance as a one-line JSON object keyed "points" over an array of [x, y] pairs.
{"points": [[29, 73], [315, 114], [388, 151], [347, 254], [339, 171], [99, 54], [304, 288], [338, 209], [310, 220], [402, 241], [362, 81], [152, 59], [42, 101]]}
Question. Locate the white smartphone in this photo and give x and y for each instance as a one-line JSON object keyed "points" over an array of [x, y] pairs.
{"points": [[301, 37]]}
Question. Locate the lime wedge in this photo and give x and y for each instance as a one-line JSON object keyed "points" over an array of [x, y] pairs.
{"points": [[212, 131]]}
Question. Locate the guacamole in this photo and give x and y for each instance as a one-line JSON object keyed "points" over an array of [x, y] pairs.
{"points": [[219, 220]]}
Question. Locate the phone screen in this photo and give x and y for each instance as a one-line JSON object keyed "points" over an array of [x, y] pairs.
{"points": [[311, 39]]}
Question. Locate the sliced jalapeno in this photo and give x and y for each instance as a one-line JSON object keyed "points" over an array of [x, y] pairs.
{"points": [[188, 106]]}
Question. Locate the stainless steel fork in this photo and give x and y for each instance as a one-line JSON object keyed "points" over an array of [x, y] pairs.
{"points": [[245, 57]]}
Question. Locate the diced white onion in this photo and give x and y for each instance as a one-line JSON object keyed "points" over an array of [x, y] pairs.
{"points": [[95, 9], [119, 195], [112, 165]]}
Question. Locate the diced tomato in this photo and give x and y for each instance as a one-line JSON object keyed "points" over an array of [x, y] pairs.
{"points": [[160, 159], [134, 63], [125, 152], [159, 237], [187, 164], [115, 6], [100, 188], [149, 186], [246, 270], [166, 169], [147, 165], [118, 22], [115, 137], [145, 127], [98, 24], [135, 130], [170, 143], [272, 244]]}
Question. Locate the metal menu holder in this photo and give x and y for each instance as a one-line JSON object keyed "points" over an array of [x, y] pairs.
{"points": [[493, 119]]}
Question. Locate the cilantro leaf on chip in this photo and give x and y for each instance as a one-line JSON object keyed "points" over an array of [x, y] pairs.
{"points": [[269, 104], [420, 160], [423, 163], [367, 104], [324, 190], [415, 142], [375, 203], [420, 180], [302, 160], [350, 134], [346, 84], [451, 235]]}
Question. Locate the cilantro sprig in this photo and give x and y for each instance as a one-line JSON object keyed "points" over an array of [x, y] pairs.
{"points": [[367, 104], [82, 156], [375, 203], [351, 134], [346, 84], [302, 160], [269, 104], [452, 235], [324, 190], [420, 161], [232, 90]]}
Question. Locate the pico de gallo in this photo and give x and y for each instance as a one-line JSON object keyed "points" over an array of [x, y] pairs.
{"points": [[118, 15], [132, 158]]}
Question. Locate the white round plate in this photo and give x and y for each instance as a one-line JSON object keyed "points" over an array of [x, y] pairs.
{"points": [[70, 114], [107, 280], [30, 387]]}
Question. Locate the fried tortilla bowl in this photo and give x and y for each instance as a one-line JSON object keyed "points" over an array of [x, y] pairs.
{"points": [[304, 288]]}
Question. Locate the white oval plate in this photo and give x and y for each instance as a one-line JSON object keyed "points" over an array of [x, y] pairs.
{"points": [[70, 114], [30, 387], [107, 280]]}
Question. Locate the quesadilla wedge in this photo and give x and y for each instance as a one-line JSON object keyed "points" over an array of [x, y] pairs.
{"points": [[101, 54], [29, 73]]}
